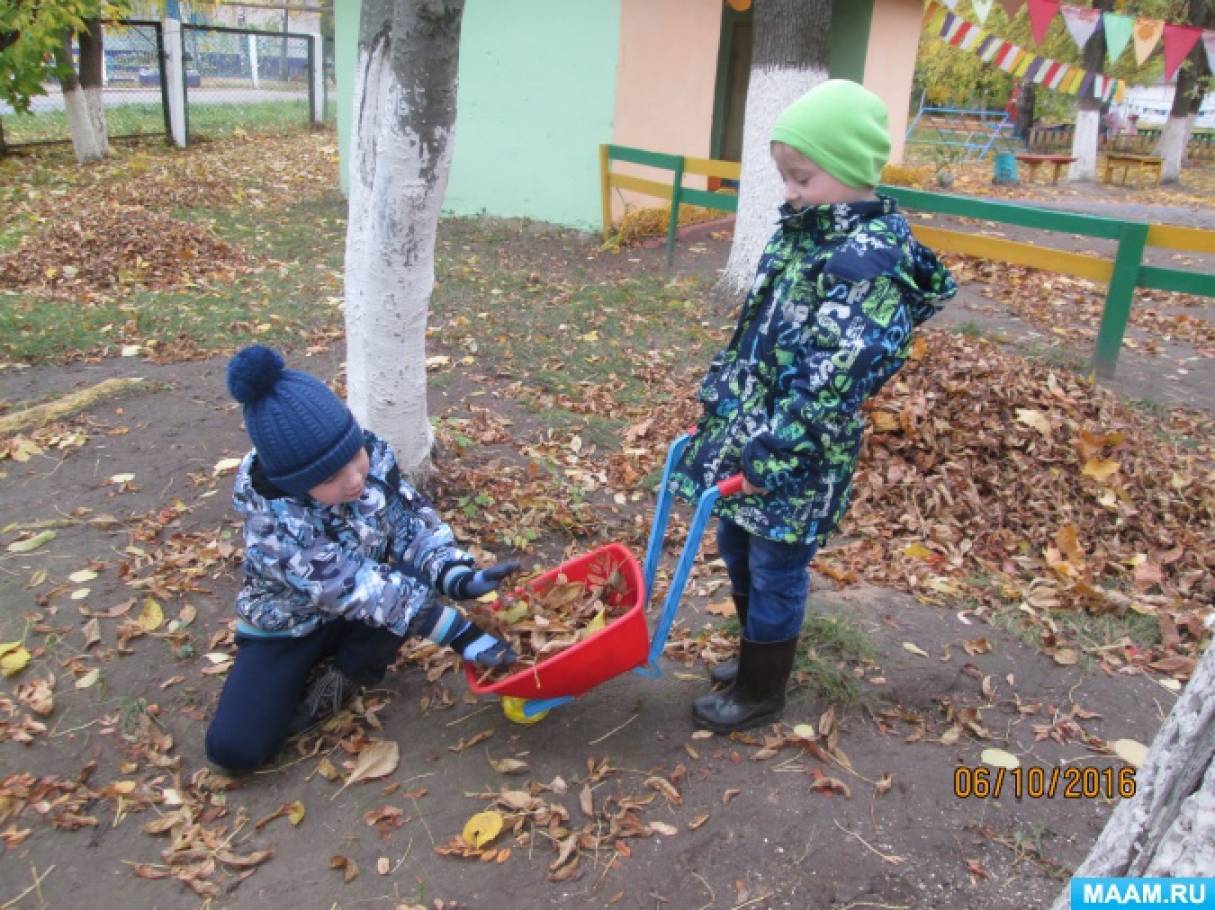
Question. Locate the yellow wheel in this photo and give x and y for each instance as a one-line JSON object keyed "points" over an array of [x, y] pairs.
{"points": [[512, 707]]}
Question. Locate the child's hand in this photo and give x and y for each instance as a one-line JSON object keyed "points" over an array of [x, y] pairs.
{"points": [[751, 489], [479, 583], [481, 648]]}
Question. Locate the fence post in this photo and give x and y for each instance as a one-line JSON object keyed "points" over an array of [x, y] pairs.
{"points": [[251, 40], [174, 81], [605, 190], [673, 222], [1119, 298], [316, 77]]}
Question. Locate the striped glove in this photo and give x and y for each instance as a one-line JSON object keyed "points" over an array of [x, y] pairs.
{"points": [[464, 583]]}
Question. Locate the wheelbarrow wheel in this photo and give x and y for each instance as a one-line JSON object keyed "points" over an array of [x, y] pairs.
{"points": [[513, 707]]}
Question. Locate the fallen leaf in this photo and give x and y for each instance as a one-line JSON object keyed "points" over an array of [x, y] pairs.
{"points": [[225, 466], [471, 741], [730, 794], [698, 820], [884, 783], [586, 802], [998, 758], [664, 829], [1100, 469], [349, 868], [382, 865], [482, 828], [31, 543], [88, 678], [122, 478], [1035, 419], [1065, 657], [1131, 751], [378, 758], [508, 765], [721, 608], [151, 617], [295, 812], [913, 648], [81, 576], [13, 657]]}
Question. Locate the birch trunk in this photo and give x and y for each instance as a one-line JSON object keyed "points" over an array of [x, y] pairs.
{"points": [[790, 57], [401, 148], [1167, 829], [1088, 114], [1187, 99]]}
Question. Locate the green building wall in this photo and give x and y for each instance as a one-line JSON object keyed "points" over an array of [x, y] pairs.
{"points": [[537, 89]]}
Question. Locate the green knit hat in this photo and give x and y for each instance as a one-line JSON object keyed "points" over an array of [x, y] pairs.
{"points": [[840, 126]]}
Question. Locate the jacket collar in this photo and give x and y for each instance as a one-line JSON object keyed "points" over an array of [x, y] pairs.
{"points": [[835, 221]]}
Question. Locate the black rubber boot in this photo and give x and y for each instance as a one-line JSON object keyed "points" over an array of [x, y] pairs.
{"points": [[758, 694], [723, 674]]}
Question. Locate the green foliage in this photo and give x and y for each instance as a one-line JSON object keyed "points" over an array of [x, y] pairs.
{"points": [[948, 76], [31, 33]]}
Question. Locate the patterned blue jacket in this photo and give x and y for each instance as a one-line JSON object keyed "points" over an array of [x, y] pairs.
{"points": [[826, 323], [377, 560]]}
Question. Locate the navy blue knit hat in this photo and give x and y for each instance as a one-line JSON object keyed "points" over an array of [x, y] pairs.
{"points": [[302, 432]]}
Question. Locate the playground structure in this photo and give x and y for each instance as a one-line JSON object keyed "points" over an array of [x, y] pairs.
{"points": [[962, 134]]}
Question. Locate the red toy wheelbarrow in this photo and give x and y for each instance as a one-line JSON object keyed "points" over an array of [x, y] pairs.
{"points": [[624, 643]]}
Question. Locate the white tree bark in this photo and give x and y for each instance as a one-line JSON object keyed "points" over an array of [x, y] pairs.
{"points": [[769, 92], [88, 142], [1084, 145], [401, 148], [1172, 146], [1167, 829], [790, 53]]}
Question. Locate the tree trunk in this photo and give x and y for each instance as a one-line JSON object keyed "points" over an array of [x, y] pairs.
{"points": [[1167, 829], [1187, 99], [1025, 110], [404, 115], [788, 58], [92, 69], [86, 142], [1088, 114]]}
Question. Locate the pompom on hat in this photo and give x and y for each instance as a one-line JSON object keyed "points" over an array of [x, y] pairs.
{"points": [[842, 127], [303, 433]]}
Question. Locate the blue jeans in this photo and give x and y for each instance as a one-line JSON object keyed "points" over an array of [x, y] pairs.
{"points": [[268, 679], [775, 578]]}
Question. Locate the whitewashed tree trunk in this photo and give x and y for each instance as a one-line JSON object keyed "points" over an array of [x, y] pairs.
{"points": [[401, 148], [1173, 140], [1187, 98], [1084, 145], [789, 57], [1088, 114], [82, 100], [1167, 829]]}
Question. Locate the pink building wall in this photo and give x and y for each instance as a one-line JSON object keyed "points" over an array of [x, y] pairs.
{"points": [[894, 34], [664, 84]]}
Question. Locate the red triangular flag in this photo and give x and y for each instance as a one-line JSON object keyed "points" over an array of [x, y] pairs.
{"points": [[1012, 7], [1041, 14], [1179, 40]]}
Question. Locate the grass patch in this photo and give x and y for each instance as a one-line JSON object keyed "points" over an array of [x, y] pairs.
{"points": [[147, 118], [279, 303], [1055, 356], [1088, 631]]}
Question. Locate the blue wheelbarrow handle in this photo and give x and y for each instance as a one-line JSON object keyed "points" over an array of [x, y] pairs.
{"points": [[662, 513]]}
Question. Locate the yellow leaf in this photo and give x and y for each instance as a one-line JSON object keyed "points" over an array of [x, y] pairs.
{"points": [[1066, 657], [13, 657], [151, 617], [805, 731], [225, 466], [998, 758], [82, 576], [884, 421], [31, 543], [295, 812], [482, 828], [597, 622], [1100, 469], [88, 679], [122, 478], [913, 648], [1067, 539], [917, 550]]}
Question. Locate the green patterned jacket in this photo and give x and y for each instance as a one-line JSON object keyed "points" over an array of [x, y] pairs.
{"points": [[826, 323]]}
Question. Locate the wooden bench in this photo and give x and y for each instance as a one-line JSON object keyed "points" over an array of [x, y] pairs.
{"points": [[1036, 161], [1125, 160]]}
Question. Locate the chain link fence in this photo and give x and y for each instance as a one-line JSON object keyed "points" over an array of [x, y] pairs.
{"points": [[255, 81], [131, 91], [234, 79]]}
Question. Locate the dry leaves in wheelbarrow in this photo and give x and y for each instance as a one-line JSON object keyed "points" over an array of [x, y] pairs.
{"points": [[541, 624]]}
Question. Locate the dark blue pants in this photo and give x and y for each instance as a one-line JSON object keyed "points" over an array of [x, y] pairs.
{"points": [[775, 578], [268, 679]]}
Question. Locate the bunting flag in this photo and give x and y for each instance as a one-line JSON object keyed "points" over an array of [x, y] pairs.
{"points": [[1179, 40], [1208, 42], [982, 9], [1062, 77], [1041, 14], [1082, 22], [1118, 30], [1147, 35], [1012, 7]]}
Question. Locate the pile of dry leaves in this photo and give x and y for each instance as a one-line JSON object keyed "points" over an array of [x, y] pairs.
{"points": [[542, 621], [991, 478], [104, 248]]}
